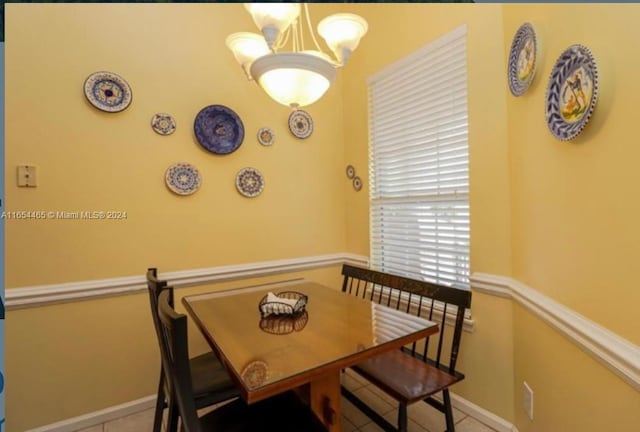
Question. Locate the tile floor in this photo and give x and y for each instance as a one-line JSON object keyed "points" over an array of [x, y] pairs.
{"points": [[422, 417]]}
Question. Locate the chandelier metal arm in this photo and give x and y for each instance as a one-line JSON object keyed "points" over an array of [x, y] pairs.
{"points": [[311, 32]]}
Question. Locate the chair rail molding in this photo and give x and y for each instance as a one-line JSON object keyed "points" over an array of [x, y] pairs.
{"points": [[32, 296], [618, 354]]}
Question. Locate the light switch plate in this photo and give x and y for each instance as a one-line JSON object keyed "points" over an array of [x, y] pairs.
{"points": [[27, 176]]}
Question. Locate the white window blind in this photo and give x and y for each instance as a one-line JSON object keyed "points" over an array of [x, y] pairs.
{"points": [[419, 164]]}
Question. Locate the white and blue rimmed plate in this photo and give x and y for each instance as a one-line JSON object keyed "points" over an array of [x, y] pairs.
{"points": [[571, 93], [107, 91], [522, 59]]}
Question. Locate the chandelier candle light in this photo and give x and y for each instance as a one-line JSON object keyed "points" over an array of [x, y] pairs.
{"points": [[298, 77]]}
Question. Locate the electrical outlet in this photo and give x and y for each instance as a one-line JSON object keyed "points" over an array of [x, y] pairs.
{"points": [[527, 400]]}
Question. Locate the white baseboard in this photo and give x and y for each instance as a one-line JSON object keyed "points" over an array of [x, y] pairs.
{"points": [[482, 415], [125, 409], [40, 295], [99, 417]]}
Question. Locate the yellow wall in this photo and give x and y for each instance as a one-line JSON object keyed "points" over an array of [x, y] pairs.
{"points": [[491, 344], [71, 359], [575, 235], [557, 216], [575, 217], [572, 391], [533, 212], [175, 60]]}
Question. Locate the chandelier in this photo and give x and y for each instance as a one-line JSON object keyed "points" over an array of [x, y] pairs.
{"points": [[296, 77]]}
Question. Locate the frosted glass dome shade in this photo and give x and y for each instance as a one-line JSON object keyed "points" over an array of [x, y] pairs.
{"points": [[293, 79], [343, 32]]}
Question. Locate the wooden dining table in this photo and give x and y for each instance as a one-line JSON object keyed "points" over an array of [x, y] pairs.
{"points": [[306, 351]]}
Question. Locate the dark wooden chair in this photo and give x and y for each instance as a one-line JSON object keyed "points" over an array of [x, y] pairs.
{"points": [[285, 412], [424, 369], [211, 382]]}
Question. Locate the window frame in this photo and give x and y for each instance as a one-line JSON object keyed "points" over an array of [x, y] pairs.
{"points": [[411, 68]]}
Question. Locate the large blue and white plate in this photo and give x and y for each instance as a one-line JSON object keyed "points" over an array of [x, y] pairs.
{"points": [[522, 59], [183, 178], [571, 93], [219, 129], [107, 91]]}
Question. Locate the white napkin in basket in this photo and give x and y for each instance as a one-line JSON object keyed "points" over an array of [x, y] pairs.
{"points": [[274, 305]]}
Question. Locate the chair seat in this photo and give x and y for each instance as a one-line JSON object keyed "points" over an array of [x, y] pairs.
{"points": [[283, 413], [211, 382], [405, 377]]}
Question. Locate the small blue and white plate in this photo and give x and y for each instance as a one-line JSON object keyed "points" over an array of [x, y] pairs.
{"points": [[351, 171], [183, 178], [266, 137], [357, 183], [300, 124], [571, 93], [522, 59], [163, 124], [250, 182]]}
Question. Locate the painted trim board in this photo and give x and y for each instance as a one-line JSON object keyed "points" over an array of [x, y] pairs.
{"points": [[621, 356], [41, 295]]}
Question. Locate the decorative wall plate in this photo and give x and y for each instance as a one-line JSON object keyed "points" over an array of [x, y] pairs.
{"points": [[249, 182], [266, 137], [571, 93], [351, 171], [107, 91], [300, 124], [183, 178], [357, 183], [163, 124], [219, 129], [522, 59]]}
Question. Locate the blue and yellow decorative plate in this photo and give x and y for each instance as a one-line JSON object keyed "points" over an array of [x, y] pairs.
{"points": [[571, 93], [522, 59], [107, 91], [183, 178], [249, 182], [300, 124], [219, 129]]}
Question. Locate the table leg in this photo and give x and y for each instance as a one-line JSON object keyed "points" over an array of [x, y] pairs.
{"points": [[324, 399]]}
